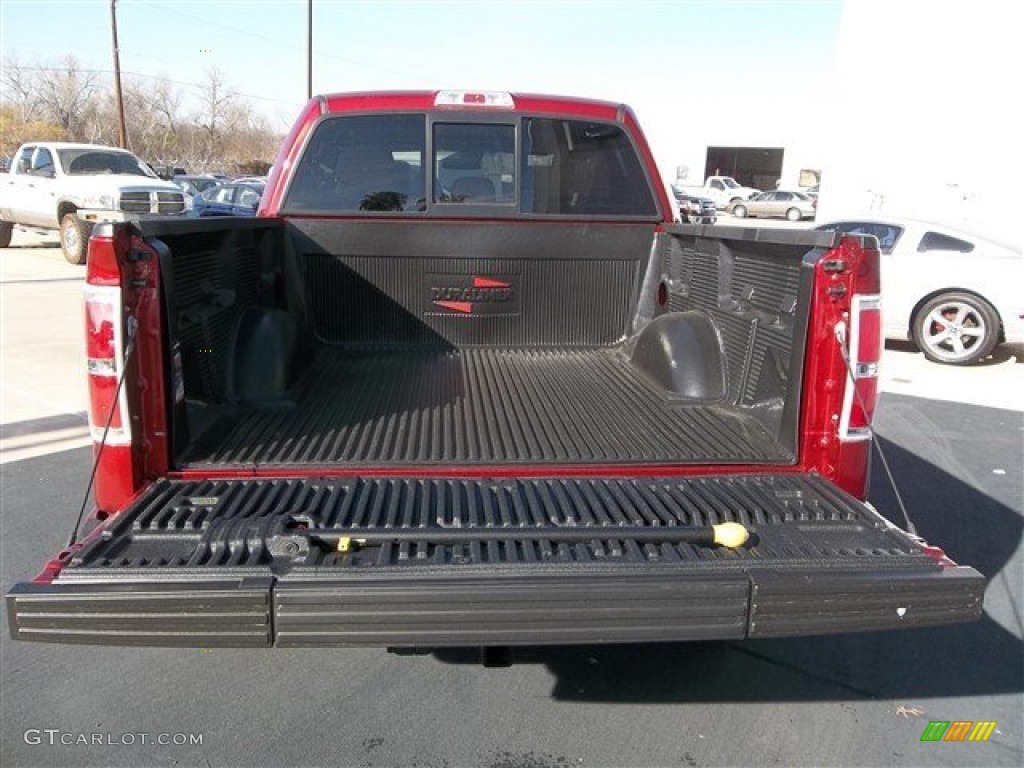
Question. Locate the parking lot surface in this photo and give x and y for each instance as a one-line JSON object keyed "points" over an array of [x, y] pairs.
{"points": [[954, 439]]}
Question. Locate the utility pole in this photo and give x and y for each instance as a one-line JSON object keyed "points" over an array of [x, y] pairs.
{"points": [[122, 132], [309, 51]]}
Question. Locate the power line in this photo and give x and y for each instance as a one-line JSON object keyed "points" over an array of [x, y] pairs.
{"points": [[187, 84], [255, 35], [279, 43]]}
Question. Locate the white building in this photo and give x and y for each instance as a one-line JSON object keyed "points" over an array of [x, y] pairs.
{"points": [[919, 116], [933, 114]]}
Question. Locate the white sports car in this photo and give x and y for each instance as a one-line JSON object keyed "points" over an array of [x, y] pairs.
{"points": [[954, 294]]}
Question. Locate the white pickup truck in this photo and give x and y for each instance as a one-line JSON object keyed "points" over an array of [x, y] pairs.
{"points": [[722, 189], [49, 183]]}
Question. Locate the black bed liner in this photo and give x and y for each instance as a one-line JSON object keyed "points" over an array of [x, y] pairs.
{"points": [[483, 406], [228, 562]]}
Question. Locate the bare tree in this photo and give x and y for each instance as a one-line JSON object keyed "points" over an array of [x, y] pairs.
{"points": [[19, 88], [217, 98], [65, 94], [62, 101], [165, 102]]}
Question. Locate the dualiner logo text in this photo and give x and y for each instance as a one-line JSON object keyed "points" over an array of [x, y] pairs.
{"points": [[476, 291]]}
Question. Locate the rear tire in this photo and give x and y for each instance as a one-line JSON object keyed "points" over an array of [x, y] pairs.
{"points": [[740, 211], [794, 214], [956, 329], [6, 228], [74, 238]]}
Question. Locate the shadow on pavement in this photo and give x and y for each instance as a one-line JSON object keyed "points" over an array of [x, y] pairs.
{"points": [[60, 422], [46, 242], [983, 658], [976, 660]]}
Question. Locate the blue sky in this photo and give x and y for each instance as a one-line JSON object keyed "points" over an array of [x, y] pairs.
{"points": [[894, 91], [642, 53]]}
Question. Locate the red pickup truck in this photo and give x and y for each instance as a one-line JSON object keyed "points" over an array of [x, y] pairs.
{"points": [[464, 381]]}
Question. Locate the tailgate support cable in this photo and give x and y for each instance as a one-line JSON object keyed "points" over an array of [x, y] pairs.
{"points": [[132, 326], [845, 352]]}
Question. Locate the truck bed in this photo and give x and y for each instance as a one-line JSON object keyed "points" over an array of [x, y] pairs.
{"points": [[381, 375], [488, 561], [482, 406]]}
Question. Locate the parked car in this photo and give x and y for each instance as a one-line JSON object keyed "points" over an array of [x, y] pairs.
{"points": [[70, 187], [695, 209], [193, 186], [723, 190], [812, 192], [167, 172], [955, 295], [234, 199], [778, 202]]}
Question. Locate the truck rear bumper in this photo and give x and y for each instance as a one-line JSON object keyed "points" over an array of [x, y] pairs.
{"points": [[552, 608]]}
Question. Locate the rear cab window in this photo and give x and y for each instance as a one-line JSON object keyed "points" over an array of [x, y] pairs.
{"points": [[443, 164]]}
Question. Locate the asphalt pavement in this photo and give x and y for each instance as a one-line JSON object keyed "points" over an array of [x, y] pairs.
{"points": [[954, 442]]}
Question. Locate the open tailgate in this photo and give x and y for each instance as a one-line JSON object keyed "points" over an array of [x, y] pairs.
{"points": [[448, 562]]}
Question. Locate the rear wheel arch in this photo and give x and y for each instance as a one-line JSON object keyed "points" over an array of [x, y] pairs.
{"points": [[65, 207]]}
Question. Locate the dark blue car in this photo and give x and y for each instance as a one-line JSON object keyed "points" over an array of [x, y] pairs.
{"points": [[233, 199]]}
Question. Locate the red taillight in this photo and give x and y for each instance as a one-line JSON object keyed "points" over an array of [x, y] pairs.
{"points": [[864, 346], [108, 348], [102, 391], [104, 349], [99, 330], [868, 277], [869, 334], [864, 350], [862, 411], [101, 266]]}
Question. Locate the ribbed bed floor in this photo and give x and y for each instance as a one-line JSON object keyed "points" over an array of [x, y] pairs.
{"points": [[375, 408]]}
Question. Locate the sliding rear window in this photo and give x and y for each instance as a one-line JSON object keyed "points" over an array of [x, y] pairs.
{"points": [[474, 164], [529, 166]]}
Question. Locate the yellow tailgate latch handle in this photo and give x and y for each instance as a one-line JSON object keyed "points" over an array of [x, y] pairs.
{"points": [[730, 535]]}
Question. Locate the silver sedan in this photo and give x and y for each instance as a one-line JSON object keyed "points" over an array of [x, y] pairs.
{"points": [[791, 205]]}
